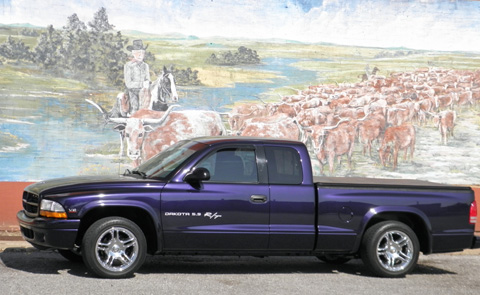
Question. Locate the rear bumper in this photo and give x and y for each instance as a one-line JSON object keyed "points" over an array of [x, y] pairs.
{"points": [[46, 233], [476, 242]]}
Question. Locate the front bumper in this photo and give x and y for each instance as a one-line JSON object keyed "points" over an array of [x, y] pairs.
{"points": [[476, 242], [47, 233]]}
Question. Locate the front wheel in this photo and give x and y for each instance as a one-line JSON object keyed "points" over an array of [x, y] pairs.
{"points": [[114, 247], [390, 249]]}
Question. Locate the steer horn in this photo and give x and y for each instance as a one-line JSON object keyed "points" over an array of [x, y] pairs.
{"points": [[102, 110], [160, 121], [338, 123], [118, 120]]}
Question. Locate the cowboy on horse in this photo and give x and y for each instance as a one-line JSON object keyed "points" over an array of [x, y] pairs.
{"points": [[137, 74]]}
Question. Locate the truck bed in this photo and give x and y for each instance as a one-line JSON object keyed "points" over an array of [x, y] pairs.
{"points": [[384, 183]]}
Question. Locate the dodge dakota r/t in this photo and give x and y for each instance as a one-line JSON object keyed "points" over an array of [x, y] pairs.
{"points": [[244, 196]]}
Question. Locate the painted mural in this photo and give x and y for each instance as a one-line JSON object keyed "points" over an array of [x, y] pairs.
{"points": [[385, 88]]}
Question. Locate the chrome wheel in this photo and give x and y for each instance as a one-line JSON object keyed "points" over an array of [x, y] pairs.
{"points": [[390, 249], [116, 249], [395, 251]]}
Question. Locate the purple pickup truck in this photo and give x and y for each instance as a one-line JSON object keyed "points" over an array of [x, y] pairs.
{"points": [[244, 196]]}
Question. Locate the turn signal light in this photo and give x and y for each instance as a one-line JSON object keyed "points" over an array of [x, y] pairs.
{"points": [[51, 214]]}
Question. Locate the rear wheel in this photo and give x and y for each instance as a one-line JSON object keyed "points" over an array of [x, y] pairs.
{"points": [[114, 247], [390, 249]]}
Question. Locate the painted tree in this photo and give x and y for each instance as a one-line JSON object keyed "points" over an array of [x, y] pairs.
{"points": [[100, 22], [77, 55], [15, 50], [47, 50], [111, 57]]}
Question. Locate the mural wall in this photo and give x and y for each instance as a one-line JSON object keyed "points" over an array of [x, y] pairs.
{"points": [[374, 88]]}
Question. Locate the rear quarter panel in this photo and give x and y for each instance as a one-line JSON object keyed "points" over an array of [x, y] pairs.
{"points": [[439, 216]]}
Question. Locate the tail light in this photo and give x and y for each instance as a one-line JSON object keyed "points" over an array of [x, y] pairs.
{"points": [[473, 213]]}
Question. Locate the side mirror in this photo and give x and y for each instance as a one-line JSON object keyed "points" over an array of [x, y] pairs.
{"points": [[198, 175]]}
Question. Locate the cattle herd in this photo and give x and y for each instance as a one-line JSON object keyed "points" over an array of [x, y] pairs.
{"points": [[381, 114], [331, 119]]}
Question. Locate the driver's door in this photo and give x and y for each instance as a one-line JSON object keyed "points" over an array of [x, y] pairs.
{"points": [[230, 211]]}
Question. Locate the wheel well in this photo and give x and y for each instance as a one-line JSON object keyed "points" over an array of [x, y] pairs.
{"points": [[137, 215], [413, 221]]}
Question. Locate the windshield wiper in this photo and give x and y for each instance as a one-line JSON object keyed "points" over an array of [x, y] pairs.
{"points": [[141, 173]]}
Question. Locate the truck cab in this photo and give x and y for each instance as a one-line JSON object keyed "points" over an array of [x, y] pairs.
{"points": [[259, 196]]}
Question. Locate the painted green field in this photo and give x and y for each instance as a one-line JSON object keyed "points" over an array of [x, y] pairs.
{"points": [[334, 63]]}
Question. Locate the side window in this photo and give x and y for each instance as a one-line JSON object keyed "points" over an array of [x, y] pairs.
{"points": [[233, 165], [284, 165]]}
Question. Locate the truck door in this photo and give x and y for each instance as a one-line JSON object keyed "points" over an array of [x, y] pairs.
{"points": [[292, 201], [230, 212]]}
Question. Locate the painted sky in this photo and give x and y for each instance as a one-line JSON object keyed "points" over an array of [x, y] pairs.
{"points": [[416, 24]]}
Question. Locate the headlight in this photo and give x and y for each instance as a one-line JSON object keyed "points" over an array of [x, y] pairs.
{"points": [[53, 209]]}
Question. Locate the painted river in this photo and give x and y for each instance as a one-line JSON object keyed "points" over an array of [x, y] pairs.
{"points": [[59, 133]]}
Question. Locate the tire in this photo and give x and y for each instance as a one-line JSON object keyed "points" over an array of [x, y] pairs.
{"points": [[390, 249], [334, 259], [71, 255], [114, 247]]}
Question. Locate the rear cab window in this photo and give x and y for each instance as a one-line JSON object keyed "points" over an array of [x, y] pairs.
{"points": [[284, 165]]}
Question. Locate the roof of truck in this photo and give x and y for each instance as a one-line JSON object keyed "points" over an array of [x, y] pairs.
{"points": [[243, 139]]}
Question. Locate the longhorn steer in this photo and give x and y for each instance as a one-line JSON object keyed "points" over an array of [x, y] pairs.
{"points": [[371, 130], [243, 112], [445, 122], [397, 138], [287, 128], [148, 135], [310, 117], [276, 119], [333, 143]]}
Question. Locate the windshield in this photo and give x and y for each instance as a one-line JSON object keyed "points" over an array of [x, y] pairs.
{"points": [[168, 161]]}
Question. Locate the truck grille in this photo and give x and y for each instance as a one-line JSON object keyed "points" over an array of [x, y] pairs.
{"points": [[30, 203]]}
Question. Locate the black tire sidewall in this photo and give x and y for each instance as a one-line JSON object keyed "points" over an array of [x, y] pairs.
{"points": [[96, 230], [370, 241]]}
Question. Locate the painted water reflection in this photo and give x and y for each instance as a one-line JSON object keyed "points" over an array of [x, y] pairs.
{"points": [[64, 136]]}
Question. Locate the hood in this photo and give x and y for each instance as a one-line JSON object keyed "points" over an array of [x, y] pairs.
{"points": [[68, 184]]}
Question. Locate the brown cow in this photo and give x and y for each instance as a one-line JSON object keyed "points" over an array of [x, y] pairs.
{"points": [[310, 117], [397, 138], [370, 130], [149, 132], [240, 113], [287, 128], [333, 143], [445, 122], [444, 101], [282, 108]]}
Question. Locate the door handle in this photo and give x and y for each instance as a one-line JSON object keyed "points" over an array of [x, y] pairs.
{"points": [[258, 198]]}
